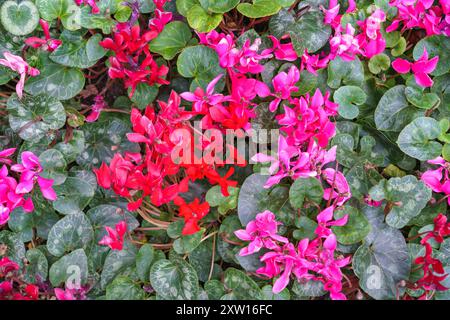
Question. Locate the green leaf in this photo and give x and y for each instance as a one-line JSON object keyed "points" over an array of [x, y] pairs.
{"points": [[104, 138], [54, 164], [15, 250], [36, 270], [174, 280], [215, 198], [19, 18], [378, 63], [254, 198], [306, 228], [117, 262], [408, 196], [202, 21], [309, 33], [187, 243], [171, 40], [308, 288], [382, 263], [73, 266], [356, 228], [305, 189], [124, 288], [34, 117], [57, 81], [70, 233], [437, 45], [420, 99], [342, 72], [144, 260], [143, 95], [202, 64], [416, 139], [280, 23], [73, 147], [393, 111], [73, 196], [183, 6], [201, 258], [66, 10], [446, 151], [268, 294], [349, 98], [218, 6], [215, 289], [241, 285], [78, 52], [259, 8]]}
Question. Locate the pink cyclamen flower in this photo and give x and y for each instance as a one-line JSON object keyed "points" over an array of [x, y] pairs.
{"points": [[114, 238], [283, 51], [48, 43], [30, 170], [339, 190], [345, 45], [64, 294], [325, 220], [202, 99], [97, 107], [438, 179], [20, 66], [5, 154], [261, 232], [284, 85], [421, 68]]}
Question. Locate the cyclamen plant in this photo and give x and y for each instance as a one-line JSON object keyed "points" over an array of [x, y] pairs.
{"points": [[254, 150]]}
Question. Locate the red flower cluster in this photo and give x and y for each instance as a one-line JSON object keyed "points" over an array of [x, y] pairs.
{"points": [[133, 61], [11, 288], [157, 174], [434, 272]]}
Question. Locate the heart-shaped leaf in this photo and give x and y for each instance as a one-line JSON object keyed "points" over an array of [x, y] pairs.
{"points": [[73, 265], [378, 63], [305, 189], [202, 64], [66, 10], [70, 233], [259, 8], [73, 196], [407, 196], [124, 288], [241, 285], [349, 98], [57, 81], [356, 228], [309, 33], [174, 280], [218, 6], [393, 112], [346, 72], [201, 20], [118, 261], [416, 139], [171, 40], [19, 18], [34, 117]]}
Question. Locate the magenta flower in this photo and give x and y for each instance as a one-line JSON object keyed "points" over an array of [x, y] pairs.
{"points": [[284, 85], [97, 107], [339, 190], [283, 51], [421, 68], [345, 45], [325, 221], [438, 180], [64, 294], [5, 154], [201, 99], [20, 66], [114, 238], [30, 170], [261, 232]]}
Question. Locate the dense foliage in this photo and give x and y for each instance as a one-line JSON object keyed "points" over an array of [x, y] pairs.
{"points": [[118, 179]]}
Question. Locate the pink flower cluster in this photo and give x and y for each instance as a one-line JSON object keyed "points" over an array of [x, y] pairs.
{"points": [[421, 68], [12, 287], [13, 192], [438, 179], [310, 261], [422, 14]]}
